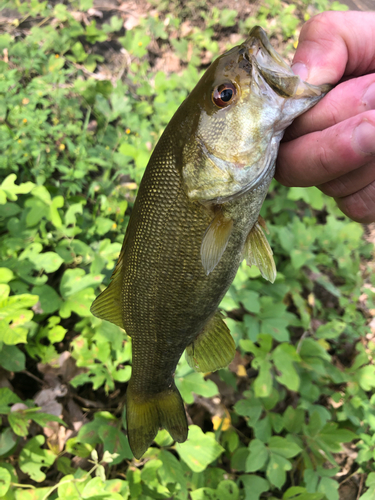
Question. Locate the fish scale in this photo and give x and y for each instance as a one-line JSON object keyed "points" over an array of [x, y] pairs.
{"points": [[196, 217]]}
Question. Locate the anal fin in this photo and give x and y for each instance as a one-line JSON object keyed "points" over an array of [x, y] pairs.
{"points": [[215, 241], [257, 251], [214, 347]]}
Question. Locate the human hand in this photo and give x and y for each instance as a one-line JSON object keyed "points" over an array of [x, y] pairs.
{"points": [[332, 146]]}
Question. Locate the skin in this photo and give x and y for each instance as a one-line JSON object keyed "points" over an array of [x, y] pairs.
{"points": [[332, 146]]}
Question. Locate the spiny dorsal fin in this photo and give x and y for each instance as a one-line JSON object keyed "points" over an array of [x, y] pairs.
{"points": [[215, 241], [257, 252], [108, 304], [213, 348]]}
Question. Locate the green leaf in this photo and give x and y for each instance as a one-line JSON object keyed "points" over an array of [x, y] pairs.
{"points": [[171, 470], [43, 419], [122, 375], [34, 494], [329, 487], [6, 275], [283, 447], [163, 438], [330, 330], [204, 494], [293, 419], [115, 441], [49, 299], [32, 458], [7, 441], [250, 300], [283, 356], [366, 377], [79, 303], [55, 63], [10, 189], [47, 261], [276, 470], [103, 225], [38, 210], [300, 493], [249, 407], [311, 195], [12, 358], [19, 421], [76, 280], [195, 383], [254, 486], [370, 483], [310, 348], [5, 479], [7, 398], [71, 489], [199, 450], [88, 433], [227, 490], [263, 382], [257, 457]]}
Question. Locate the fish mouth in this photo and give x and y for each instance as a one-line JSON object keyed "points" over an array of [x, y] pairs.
{"points": [[274, 70], [259, 47]]}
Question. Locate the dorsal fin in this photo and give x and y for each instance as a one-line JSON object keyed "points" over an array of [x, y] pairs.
{"points": [[257, 251], [108, 304], [215, 241]]}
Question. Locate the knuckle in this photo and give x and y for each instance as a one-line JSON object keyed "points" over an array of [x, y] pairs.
{"points": [[332, 110], [323, 161], [320, 23], [335, 188], [360, 206], [321, 29]]}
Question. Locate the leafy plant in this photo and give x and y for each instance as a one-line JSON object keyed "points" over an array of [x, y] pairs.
{"points": [[75, 136]]}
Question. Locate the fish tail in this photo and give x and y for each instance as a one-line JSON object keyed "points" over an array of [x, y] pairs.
{"points": [[145, 414]]}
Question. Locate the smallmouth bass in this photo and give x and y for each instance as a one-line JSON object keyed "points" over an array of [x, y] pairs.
{"points": [[196, 217]]}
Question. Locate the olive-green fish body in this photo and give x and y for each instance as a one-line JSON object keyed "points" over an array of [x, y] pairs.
{"points": [[194, 220]]}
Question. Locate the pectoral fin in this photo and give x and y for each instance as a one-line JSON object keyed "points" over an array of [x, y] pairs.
{"points": [[215, 241], [108, 304], [214, 347], [258, 252]]}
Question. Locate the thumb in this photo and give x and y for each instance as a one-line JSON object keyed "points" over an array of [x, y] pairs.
{"points": [[335, 44]]}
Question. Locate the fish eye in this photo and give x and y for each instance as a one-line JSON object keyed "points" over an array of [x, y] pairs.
{"points": [[224, 94]]}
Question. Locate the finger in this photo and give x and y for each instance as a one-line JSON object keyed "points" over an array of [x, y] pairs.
{"points": [[348, 99], [320, 157], [359, 206], [350, 183], [333, 44]]}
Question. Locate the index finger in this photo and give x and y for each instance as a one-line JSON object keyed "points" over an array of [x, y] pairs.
{"points": [[336, 44]]}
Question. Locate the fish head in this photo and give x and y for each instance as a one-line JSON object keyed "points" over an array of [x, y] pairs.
{"points": [[241, 106]]}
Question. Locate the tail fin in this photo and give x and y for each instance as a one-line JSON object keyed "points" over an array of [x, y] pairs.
{"points": [[146, 414]]}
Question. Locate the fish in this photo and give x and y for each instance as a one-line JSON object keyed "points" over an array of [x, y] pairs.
{"points": [[195, 218]]}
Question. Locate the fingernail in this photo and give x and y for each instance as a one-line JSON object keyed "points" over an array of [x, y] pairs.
{"points": [[364, 136], [369, 97], [301, 70]]}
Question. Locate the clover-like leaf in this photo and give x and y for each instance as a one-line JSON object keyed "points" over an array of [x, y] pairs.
{"points": [[200, 449], [33, 458]]}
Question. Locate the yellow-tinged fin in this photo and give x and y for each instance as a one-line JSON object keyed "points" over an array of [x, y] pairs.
{"points": [[145, 414], [108, 304], [214, 347], [258, 252], [215, 241]]}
